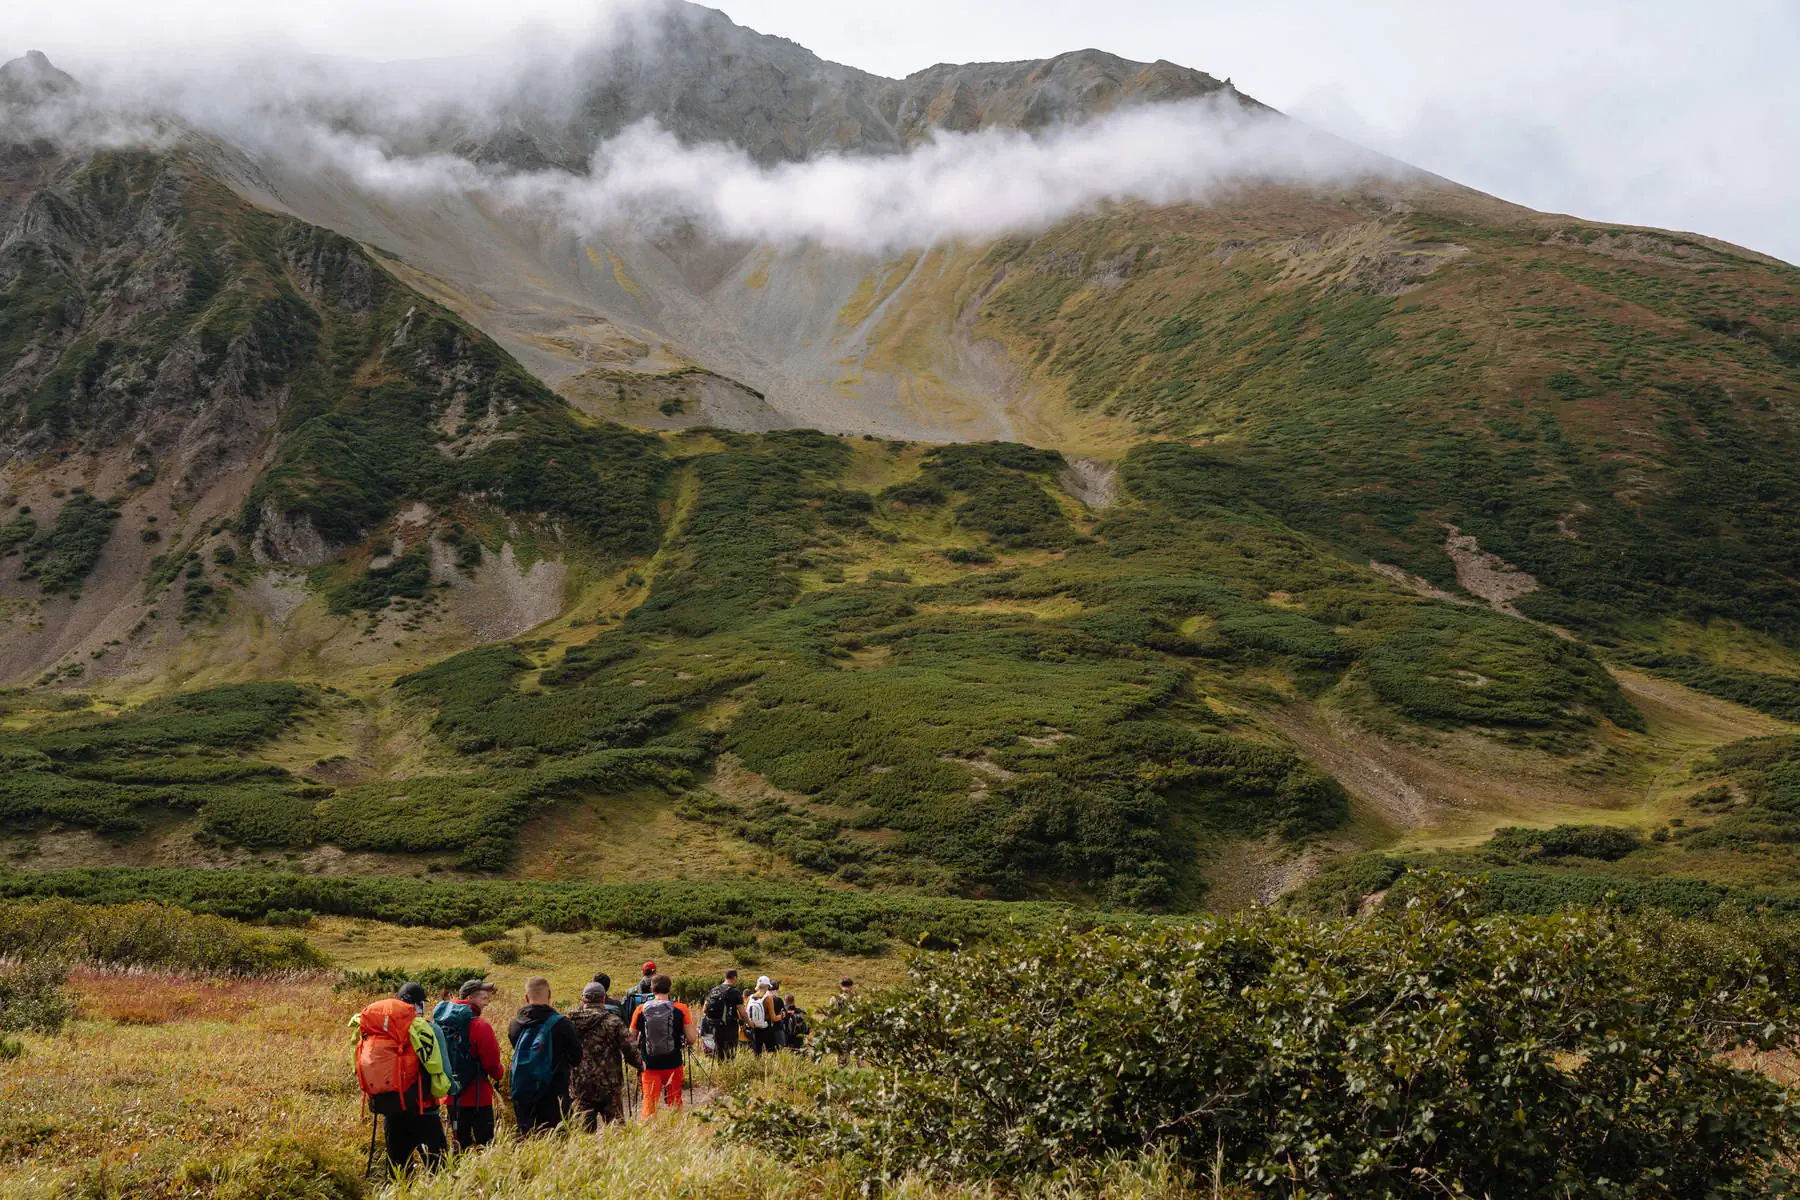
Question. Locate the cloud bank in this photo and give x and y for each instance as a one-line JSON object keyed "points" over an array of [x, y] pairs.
{"points": [[955, 187], [377, 126]]}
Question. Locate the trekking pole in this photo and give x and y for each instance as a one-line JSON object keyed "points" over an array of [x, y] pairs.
{"points": [[374, 1124]]}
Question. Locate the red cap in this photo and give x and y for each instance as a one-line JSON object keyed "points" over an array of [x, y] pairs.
{"points": [[649, 966]]}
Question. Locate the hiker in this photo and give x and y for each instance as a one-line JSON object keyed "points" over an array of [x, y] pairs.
{"points": [[638, 995], [611, 1002], [760, 1015], [664, 1030], [597, 1083], [846, 993], [400, 1068], [545, 1049], [797, 1026], [472, 1060], [721, 1015]]}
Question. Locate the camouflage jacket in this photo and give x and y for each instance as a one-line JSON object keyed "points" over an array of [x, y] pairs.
{"points": [[604, 1040]]}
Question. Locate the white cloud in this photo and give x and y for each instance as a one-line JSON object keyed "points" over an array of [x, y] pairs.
{"points": [[967, 186]]}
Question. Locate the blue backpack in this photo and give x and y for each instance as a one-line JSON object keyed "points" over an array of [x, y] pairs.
{"points": [[534, 1061], [459, 1054]]}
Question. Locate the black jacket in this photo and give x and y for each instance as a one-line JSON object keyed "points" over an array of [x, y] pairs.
{"points": [[565, 1043]]}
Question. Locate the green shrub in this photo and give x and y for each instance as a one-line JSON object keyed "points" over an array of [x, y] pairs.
{"points": [[388, 980], [149, 935], [33, 998], [1515, 844], [1490, 1055], [475, 935], [502, 953]]}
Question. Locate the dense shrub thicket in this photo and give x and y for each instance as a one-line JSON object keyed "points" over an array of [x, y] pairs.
{"points": [[148, 935], [831, 919], [1432, 1051]]}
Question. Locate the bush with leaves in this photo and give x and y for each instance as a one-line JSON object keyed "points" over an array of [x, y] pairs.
{"points": [[149, 935], [1430, 1051], [33, 997]]}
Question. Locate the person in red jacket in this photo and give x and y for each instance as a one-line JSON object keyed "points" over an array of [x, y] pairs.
{"points": [[472, 1109]]}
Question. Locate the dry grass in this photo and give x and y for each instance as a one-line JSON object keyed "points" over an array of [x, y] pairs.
{"points": [[160, 1071]]}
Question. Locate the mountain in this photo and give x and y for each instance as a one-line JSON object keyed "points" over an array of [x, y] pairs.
{"points": [[1147, 557]]}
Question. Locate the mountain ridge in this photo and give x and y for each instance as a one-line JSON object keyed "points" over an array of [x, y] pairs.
{"points": [[1220, 489]]}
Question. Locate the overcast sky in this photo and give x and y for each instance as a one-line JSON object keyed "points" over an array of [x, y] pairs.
{"points": [[1661, 112]]}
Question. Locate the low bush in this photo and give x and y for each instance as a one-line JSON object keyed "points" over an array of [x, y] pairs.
{"points": [[34, 998], [149, 935], [502, 953], [1433, 1050], [388, 980], [1514, 844], [475, 935], [822, 917]]}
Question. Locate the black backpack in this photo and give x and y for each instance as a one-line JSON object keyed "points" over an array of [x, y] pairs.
{"points": [[715, 1004], [797, 1026]]}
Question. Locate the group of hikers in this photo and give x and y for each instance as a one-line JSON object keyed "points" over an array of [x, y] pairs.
{"points": [[566, 1068]]}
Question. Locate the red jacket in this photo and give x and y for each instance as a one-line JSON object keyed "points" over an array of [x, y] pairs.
{"points": [[486, 1047]]}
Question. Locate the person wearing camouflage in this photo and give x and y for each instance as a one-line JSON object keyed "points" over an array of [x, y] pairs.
{"points": [[597, 1083]]}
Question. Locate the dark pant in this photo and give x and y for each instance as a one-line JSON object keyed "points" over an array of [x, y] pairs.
{"points": [[768, 1039], [471, 1127], [543, 1114], [725, 1042], [408, 1132], [590, 1113]]}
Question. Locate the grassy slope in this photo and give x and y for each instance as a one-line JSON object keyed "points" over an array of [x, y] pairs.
{"points": [[934, 668], [1609, 409]]}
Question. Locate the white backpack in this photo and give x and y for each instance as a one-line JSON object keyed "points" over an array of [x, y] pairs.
{"points": [[753, 1009]]}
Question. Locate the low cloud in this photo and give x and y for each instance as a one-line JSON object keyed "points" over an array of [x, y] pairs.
{"points": [[954, 187], [371, 125]]}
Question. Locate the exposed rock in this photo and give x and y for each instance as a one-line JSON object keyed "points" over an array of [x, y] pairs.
{"points": [[1486, 575], [280, 538]]}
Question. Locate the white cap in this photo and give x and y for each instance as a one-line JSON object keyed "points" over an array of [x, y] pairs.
{"points": [[762, 981]]}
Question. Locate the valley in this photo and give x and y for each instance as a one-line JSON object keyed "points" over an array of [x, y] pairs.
{"points": [[412, 566]]}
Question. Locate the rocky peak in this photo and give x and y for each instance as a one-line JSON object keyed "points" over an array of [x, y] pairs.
{"points": [[32, 78]]}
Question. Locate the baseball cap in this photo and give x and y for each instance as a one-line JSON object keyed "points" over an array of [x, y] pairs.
{"points": [[412, 993], [649, 967], [471, 987], [593, 993]]}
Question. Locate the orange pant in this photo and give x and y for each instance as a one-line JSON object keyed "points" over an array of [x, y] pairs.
{"points": [[663, 1085]]}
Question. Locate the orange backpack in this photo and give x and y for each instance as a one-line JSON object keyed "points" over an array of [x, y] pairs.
{"points": [[385, 1061]]}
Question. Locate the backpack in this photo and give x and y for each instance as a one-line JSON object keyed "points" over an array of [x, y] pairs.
{"points": [[758, 1016], [635, 999], [715, 1004], [534, 1061], [797, 1024], [385, 1059], [453, 1020], [656, 1029]]}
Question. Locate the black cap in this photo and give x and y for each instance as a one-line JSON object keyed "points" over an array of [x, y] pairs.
{"points": [[412, 993]]}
